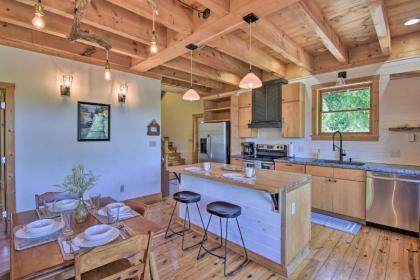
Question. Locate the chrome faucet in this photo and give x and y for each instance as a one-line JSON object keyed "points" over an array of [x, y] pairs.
{"points": [[342, 153]]}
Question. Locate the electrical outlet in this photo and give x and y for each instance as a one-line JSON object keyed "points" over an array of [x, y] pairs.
{"points": [[122, 188], [293, 208], [395, 153], [152, 143]]}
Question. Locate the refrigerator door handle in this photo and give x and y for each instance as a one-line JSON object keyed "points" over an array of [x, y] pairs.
{"points": [[209, 147]]}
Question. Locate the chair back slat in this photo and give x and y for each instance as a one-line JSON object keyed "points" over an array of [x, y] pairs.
{"points": [[41, 199], [134, 249]]}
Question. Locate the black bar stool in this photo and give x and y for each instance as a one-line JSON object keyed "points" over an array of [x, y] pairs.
{"points": [[228, 211], [186, 197]]}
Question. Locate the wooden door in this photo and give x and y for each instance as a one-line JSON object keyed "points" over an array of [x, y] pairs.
{"points": [[322, 197], [349, 198], [245, 99], [292, 122], [245, 115]]}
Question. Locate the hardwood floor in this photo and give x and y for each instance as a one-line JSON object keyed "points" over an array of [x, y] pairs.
{"points": [[371, 254]]}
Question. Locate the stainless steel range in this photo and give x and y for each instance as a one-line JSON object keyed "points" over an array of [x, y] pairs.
{"points": [[265, 156]]}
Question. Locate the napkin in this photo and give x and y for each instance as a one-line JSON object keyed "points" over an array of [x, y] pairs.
{"points": [[66, 247]]}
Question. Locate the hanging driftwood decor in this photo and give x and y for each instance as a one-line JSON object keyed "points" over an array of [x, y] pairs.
{"points": [[77, 33]]}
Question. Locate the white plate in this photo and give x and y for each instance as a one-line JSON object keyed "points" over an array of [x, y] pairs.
{"points": [[65, 204], [40, 226], [234, 176], [23, 233], [193, 169], [81, 241], [97, 232], [124, 210]]}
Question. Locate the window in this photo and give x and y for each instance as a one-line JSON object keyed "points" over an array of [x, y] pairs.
{"points": [[351, 109]]}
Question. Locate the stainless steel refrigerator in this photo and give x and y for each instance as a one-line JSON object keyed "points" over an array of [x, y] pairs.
{"points": [[214, 141]]}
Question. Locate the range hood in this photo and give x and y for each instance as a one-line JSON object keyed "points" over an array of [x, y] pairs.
{"points": [[266, 105]]}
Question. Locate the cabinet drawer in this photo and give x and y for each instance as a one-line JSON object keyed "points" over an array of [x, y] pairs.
{"points": [[236, 161], [320, 171], [289, 167], [350, 174]]}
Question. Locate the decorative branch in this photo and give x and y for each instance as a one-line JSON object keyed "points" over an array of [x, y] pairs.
{"points": [[77, 33]]}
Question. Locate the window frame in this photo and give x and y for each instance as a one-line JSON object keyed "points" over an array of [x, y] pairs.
{"points": [[351, 84]]}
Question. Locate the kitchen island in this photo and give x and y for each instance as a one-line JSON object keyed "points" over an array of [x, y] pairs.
{"points": [[276, 210]]}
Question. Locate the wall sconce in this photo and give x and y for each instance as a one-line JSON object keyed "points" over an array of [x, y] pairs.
{"points": [[66, 85], [122, 93]]}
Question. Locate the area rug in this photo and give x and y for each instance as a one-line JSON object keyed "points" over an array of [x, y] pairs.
{"points": [[335, 223]]}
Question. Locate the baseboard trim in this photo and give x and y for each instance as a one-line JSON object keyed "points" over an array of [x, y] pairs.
{"points": [[151, 198]]}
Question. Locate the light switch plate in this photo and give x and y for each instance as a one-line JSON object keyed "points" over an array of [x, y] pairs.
{"points": [[152, 143], [293, 208]]}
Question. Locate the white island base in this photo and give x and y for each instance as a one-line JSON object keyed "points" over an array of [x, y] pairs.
{"points": [[276, 239]]}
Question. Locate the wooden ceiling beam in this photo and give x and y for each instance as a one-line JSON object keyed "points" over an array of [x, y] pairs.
{"points": [[110, 18], [37, 41], [316, 20], [238, 48], [183, 64], [20, 14], [207, 32], [265, 32], [380, 21], [171, 14], [208, 56], [185, 77], [219, 7], [184, 86]]}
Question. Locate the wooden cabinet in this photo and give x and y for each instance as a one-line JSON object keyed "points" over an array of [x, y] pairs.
{"points": [[245, 116], [236, 161], [338, 190], [293, 110], [289, 167], [217, 110]]}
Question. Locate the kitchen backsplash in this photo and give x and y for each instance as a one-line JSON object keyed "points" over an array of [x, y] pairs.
{"points": [[399, 104]]}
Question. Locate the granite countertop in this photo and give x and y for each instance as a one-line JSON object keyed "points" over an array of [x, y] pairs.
{"points": [[368, 166], [411, 170], [270, 181]]}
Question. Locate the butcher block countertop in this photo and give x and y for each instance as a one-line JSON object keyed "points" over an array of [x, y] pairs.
{"points": [[270, 181]]}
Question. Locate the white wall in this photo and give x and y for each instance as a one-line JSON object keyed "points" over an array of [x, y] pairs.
{"points": [[399, 104], [177, 122], [46, 127]]}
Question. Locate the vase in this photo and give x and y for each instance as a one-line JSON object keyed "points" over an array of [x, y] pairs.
{"points": [[81, 211]]}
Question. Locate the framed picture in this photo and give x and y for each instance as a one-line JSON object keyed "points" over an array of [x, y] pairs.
{"points": [[93, 121]]}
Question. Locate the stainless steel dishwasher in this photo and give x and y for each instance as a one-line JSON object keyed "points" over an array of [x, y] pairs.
{"points": [[393, 200]]}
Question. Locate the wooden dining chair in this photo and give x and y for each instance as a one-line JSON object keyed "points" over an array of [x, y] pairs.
{"points": [[137, 206], [41, 199], [126, 259]]}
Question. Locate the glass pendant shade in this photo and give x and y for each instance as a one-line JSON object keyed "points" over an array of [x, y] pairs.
{"points": [[191, 95], [38, 21], [250, 81]]}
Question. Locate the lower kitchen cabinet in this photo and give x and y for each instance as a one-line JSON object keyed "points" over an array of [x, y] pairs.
{"points": [[290, 167], [236, 161], [322, 193], [349, 198]]}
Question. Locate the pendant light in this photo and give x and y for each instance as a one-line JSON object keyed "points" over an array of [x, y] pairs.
{"points": [[38, 21], [153, 42], [341, 78], [250, 80], [107, 68], [191, 94]]}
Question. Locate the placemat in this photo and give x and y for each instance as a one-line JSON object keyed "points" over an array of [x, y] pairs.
{"points": [[104, 220], [26, 243], [44, 214], [69, 250]]}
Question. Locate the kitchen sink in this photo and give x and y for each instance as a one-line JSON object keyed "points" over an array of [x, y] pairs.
{"points": [[356, 163]]}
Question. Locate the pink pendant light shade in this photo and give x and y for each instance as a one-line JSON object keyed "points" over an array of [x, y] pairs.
{"points": [[250, 81], [191, 95]]}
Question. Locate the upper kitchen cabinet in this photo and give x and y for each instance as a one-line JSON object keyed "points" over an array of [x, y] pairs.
{"points": [[293, 110], [245, 116], [266, 105], [217, 109]]}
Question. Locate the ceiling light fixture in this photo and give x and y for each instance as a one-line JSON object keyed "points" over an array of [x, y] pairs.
{"points": [[412, 21], [153, 42], [201, 13], [191, 94], [250, 80], [341, 78], [38, 21], [107, 68]]}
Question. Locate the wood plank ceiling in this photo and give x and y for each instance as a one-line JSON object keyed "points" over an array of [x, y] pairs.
{"points": [[291, 38]]}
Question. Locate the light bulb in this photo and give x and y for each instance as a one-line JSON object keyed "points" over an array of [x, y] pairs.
{"points": [[153, 47], [412, 21], [107, 71], [38, 22]]}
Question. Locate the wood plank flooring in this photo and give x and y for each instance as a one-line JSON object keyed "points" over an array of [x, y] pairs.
{"points": [[371, 254]]}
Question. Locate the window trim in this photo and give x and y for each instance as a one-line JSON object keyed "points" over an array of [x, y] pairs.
{"points": [[373, 135]]}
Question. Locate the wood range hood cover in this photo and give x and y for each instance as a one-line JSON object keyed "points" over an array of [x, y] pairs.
{"points": [[266, 105]]}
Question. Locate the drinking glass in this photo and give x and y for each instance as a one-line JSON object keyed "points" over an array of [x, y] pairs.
{"points": [[68, 219], [49, 208], [250, 172], [207, 166], [113, 214], [95, 200]]}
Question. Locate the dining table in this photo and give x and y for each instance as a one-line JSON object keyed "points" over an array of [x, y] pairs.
{"points": [[46, 261]]}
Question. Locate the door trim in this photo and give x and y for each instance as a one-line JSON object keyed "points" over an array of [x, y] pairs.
{"points": [[10, 188], [195, 118]]}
